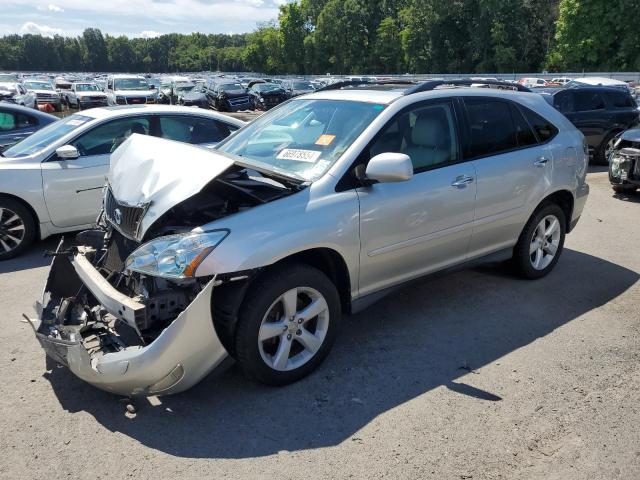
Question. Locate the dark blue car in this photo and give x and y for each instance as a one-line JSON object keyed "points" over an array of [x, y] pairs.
{"points": [[17, 122]]}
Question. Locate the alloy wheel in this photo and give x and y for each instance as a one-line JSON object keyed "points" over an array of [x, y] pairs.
{"points": [[545, 242], [12, 230], [293, 329]]}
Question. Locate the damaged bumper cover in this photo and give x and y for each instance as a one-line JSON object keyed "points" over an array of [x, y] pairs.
{"points": [[180, 356]]}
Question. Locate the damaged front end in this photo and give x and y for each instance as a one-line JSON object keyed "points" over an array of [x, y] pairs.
{"points": [[124, 307], [147, 336]]}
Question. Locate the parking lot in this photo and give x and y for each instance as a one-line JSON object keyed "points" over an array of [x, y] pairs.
{"points": [[472, 375]]}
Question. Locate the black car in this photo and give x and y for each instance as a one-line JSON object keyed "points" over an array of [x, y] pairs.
{"points": [[266, 95], [295, 88], [18, 122], [227, 95], [193, 97], [624, 163], [600, 113]]}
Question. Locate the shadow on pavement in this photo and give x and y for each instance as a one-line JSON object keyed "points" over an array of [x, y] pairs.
{"points": [[425, 336], [32, 258]]}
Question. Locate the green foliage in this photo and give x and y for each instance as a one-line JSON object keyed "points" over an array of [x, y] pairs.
{"points": [[368, 36], [597, 35]]}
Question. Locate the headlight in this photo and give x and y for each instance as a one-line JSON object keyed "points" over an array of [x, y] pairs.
{"points": [[120, 100], [174, 256], [619, 164]]}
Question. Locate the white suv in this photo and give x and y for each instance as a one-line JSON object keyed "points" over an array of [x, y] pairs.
{"points": [[318, 207]]}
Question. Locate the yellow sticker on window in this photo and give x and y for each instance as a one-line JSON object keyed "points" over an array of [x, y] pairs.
{"points": [[325, 140]]}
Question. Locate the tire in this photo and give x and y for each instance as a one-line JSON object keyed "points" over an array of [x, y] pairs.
{"points": [[538, 263], [600, 158], [22, 228], [264, 304], [624, 188]]}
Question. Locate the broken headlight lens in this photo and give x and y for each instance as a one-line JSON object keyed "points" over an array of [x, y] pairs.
{"points": [[174, 256]]}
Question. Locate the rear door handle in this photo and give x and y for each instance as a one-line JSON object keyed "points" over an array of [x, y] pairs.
{"points": [[541, 162], [462, 181]]}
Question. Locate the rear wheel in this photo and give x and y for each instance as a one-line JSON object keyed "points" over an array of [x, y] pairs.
{"points": [[540, 244], [287, 325], [17, 228]]}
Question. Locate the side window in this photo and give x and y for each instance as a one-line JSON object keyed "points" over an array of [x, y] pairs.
{"points": [[524, 133], [491, 128], [545, 130], [620, 100], [25, 121], [192, 129], [563, 102], [8, 121], [105, 138], [587, 100], [427, 134]]}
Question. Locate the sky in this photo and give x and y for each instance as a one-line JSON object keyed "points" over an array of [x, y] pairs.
{"points": [[134, 18]]}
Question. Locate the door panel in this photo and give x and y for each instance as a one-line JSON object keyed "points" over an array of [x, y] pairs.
{"points": [[513, 170], [413, 228], [416, 227], [73, 188]]}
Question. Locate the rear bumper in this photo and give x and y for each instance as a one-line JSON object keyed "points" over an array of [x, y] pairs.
{"points": [[183, 353], [580, 201]]}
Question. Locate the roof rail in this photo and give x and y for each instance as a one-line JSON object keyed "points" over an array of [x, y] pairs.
{"points": [[432, 84], [353, 83]]}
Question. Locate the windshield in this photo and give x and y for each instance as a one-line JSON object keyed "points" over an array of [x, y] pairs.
{"points": [[7, 77], [130, 84], [44, 137], [302, 138], [184, 87], [226, 87], [302, 86], [265, 87], [86, 87], [39, 85]]}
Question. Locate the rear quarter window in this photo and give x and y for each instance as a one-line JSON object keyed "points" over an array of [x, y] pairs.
{"points": [[620, 100], [544, 129]]}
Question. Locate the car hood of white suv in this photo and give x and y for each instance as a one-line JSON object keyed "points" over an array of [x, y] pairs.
{"points": [[135, 93], [158, 173]]}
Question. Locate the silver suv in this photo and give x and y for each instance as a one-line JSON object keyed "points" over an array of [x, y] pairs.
{"points": [[316, 209]]}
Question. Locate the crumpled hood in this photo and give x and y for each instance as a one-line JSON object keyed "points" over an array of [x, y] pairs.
{"points": [[161, 173]]}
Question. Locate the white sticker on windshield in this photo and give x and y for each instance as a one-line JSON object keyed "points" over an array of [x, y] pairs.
{"points": [[75, 123], [299, 155]]}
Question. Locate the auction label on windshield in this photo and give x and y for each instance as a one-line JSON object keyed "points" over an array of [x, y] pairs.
{"points": [[299, 155]]}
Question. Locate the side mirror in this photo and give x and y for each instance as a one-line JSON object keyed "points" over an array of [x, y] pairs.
{"points": [[67, 152], [389, 167]]}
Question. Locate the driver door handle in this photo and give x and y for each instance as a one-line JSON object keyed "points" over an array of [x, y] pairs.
{"points": [[462, 181], [541, 162]]}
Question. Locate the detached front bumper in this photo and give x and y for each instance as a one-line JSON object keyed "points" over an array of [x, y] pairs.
{"points": [[180, 356]]}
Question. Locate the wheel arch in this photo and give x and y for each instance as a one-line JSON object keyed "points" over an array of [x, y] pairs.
{"points": [[565, 200], [228, 297], [28, 206]]}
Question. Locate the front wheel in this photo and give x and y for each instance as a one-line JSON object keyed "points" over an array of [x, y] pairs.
{"points": [[287, 325], [17, 228], [540, 244], [624, 188]]}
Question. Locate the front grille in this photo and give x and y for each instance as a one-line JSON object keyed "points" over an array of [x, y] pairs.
{"points": [[118, 250], [234, 102], [124, 218], [136, 100]]}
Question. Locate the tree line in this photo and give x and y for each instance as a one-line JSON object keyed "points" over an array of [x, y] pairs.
{"points": [[368, 36]]}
